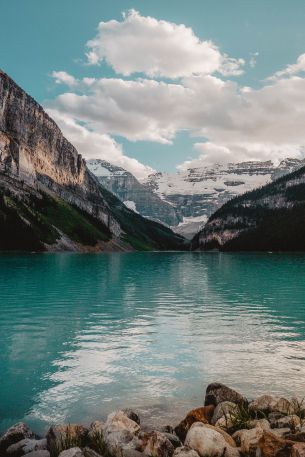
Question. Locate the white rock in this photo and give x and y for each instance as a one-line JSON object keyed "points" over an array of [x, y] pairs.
{"points": [[208, 442]]}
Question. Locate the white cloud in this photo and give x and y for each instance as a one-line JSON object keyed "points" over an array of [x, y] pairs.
{"points": [[93, 145], [240, 123], [157, 48], [62, 77], [291, 70], [253, 59]]}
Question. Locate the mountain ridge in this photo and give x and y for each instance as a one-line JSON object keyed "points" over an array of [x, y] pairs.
{"points": [[39, 165]]}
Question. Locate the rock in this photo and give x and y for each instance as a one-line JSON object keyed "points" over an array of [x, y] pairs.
{"points": [[271, 445], [72, 452], [167, 429], [120, 431], [67, 436], [203, 414], [14, 434], [131, 453], [132, 415], [298, 450], [88, 452], [248, 439], [155, 444], [292, 421], [282, 433], [275, 416], [209, 442], [185, 451], [223, 409], [173, 439], [262, 423], [269, 404], [217, 393], [38, 454], [25, 446], [299, 436]]}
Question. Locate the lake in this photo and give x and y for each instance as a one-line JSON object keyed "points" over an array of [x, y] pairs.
{"points": [[82, 335]]}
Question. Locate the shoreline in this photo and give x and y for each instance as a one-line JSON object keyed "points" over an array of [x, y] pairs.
{"points": [[228, 425]]}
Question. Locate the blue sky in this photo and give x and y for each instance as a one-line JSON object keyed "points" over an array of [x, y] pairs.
{"points": [[37, 38]]}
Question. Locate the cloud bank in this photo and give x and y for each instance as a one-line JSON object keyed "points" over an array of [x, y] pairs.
{"points": [[184, 85]]}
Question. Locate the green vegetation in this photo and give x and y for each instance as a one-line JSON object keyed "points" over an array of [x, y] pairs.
{"points": [[67, 440], [27, 225]]}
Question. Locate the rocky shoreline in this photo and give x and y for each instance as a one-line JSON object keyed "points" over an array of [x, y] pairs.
{"points": [[228, 425]]}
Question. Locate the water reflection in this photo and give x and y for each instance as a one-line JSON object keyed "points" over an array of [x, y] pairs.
{"points": [[83, 334]]}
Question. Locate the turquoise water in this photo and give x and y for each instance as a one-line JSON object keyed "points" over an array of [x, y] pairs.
{"points": [[81, 335]]}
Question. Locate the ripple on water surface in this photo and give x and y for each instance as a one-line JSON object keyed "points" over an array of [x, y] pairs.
{"points": [[83, 334]]}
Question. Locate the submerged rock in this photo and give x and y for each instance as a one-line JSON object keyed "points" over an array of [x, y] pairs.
{"points": [[209, 442], [15, 434], [203, 414], [217, 393]]}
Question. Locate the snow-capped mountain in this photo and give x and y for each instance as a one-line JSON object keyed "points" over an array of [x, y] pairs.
{"points": [[185, 200], [133, 194], [198, 192]]}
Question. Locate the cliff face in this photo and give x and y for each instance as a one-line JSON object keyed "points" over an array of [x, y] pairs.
{"points": [[34, 151], [134, 194], [48, 197], [270, 218]]}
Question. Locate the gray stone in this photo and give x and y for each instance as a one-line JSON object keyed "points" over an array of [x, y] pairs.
{"points": [[207, 441], [15, 434], [25, 446], [217, 393], [73, 452], [223, 409], [185, 451], [38, 454]]}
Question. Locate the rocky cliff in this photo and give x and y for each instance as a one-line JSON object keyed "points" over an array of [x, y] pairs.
{"points": [[38, 166], [133, 194], [270, 218]]}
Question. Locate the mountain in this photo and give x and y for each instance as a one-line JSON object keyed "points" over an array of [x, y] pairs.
{"points": [[49, 200], [198, 192], [133, 194], [271, 218]]}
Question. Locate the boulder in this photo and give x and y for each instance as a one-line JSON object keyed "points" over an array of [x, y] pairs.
{"points": [[271, 445], [209, 442], [14, 434], [173, 439], [155, 444], [67, 436], [88, 452], [119, 433], [223, 409], [282, 432], [248, 439], [203, 414], [298, 437], [269, 404], [38, 454], [132, 415], [72, 452], [217, 393], [25, 446], [185, 451], [292, 421], [298, 450]]}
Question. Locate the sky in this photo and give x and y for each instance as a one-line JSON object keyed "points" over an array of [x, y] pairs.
{"points": [[164, 85]]}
